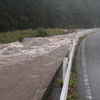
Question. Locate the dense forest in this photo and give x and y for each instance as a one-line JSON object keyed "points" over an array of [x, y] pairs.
{"points": [[25, 14]]}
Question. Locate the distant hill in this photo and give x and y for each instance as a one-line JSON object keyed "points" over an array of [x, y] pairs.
{"points": [[24, 14]]}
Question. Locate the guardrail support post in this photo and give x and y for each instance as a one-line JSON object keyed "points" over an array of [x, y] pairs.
{"points": [[70, 48], [65, 63]]}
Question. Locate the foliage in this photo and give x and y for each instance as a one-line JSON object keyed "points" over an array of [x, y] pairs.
{"points": [[19, 35], [60, 82], [25, 14], [55, 31], [73, 81], [72, 95], [41, 32], [71, 28]]}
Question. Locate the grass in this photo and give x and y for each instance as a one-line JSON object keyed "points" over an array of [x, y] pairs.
{"points": [[60, 82], [56, 31], [19, 35]]}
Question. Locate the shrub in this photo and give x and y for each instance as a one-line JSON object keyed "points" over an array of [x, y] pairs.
{"points": [[41, 32], [20, 38], [71, 28]]}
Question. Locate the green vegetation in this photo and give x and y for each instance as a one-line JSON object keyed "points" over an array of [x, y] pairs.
{"points": [[71, 28], [41, 32], [72, 94], [60, 82], [55, 31], [18, 35], [25, 14]]}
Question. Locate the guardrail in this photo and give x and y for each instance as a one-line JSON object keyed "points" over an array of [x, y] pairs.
{"points": [[67, 62]]}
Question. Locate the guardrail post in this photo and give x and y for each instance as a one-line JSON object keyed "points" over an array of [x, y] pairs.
{"points": [[65, 63], [70, 48]]}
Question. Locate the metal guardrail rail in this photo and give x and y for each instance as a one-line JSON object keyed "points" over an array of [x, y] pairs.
{"points": [[67, 62]]}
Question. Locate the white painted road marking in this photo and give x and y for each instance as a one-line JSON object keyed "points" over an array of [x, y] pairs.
{"points": [[88, 91]]}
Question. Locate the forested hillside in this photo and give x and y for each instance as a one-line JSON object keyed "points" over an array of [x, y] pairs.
{"points": [[24, 14]]}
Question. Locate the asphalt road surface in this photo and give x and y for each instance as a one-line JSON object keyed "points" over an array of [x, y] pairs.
{"points": [[88, 68]]}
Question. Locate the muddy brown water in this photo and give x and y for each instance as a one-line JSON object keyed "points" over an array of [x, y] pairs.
{"points": [[27, 68]]}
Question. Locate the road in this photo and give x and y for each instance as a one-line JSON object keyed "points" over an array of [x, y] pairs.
{"points": [[88, 68]]}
